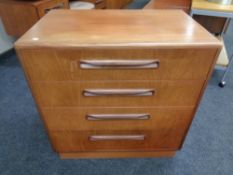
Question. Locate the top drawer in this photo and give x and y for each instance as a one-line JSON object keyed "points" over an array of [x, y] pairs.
{"points": [[114, 64]]}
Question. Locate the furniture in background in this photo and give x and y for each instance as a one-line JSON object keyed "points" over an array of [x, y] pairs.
{"points": [[205, 8], [213, 24], [169, 4], [117, 4], [99, 4], [109, 4], [81, 5], [120, 88], [19, 15]]}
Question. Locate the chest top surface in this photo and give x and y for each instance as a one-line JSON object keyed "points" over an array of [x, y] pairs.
{"points": [[116, 28]]}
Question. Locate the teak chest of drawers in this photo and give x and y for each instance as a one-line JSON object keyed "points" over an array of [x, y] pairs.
{"points": [[126, 87]]}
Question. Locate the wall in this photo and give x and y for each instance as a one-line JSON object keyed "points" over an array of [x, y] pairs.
{"points": [[6, 42]]}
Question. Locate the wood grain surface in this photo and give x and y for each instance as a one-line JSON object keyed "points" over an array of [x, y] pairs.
{"points": [[51, 53], [155, 140], [115, 154], [130, 28], [64, 64], [18, 16], [75, 119], [168, 4], [167, 93]]}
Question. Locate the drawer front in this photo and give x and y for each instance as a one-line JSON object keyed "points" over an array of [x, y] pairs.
{"points": [[45, 7], [144, 140], [97, 119], [109, 64], [107, 94]]}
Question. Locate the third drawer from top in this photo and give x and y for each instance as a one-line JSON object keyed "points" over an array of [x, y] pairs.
{"points": [[96, 119]]}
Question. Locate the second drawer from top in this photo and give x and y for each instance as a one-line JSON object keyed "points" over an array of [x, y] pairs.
{"points": [[109, 94]]}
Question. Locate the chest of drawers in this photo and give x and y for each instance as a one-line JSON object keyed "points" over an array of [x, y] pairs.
{"points": [[126, 87]]}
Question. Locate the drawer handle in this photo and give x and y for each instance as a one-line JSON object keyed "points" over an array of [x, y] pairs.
{"points": [[118, 92], [118, 116], [119, 64], [116, 137]]}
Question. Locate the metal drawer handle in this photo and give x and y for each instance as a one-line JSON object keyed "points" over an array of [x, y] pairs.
{"points": [[119, 64], [118, 117], [118, 92], [116, 137]]}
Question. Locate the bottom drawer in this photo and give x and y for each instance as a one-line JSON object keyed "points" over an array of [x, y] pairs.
{"points": [[144, 140]]}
